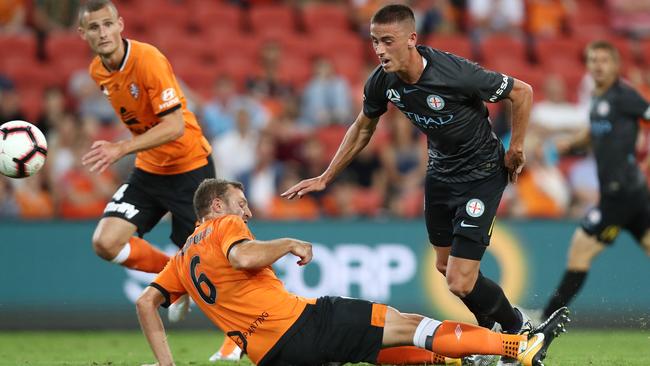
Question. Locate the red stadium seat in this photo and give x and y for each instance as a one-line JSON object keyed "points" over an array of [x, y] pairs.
{"points": [[295, 70], [66, 44], [548, 50], [32, 75], [31, 103], [207, 16], [502, 46], [348, 66], [18, 46], [165, 15], [239, 68], [268, 17], [325, 17], [347, 42], [458, 45]]}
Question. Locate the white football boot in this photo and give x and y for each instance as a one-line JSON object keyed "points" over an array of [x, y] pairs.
{"points": [[178, 309]]}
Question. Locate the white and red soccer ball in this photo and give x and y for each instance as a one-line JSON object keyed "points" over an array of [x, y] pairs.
{"points": [[23, 149]]}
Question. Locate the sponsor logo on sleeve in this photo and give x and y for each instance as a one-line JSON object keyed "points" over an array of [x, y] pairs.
{"points": [[169, 99], [502, 87]]}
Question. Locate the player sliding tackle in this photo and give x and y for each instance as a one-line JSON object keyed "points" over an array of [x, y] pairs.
{"points": [[276, 327]]}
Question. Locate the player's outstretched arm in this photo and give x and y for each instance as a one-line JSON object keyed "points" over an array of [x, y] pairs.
{"points": [[152, 326], [104, 153], [522, 101], [356, 138], [255, 254]]}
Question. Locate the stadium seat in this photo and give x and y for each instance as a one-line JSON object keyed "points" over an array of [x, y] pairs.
{"points": [[268, 17], [458, 45], [22, 46], [502, 46], [325, 44], [348, 66], [165, 15], [31, 102], [213, 15], [236, 46], [66, 44], [548, 49], [325, 18], [239, 68], [295, 70]]}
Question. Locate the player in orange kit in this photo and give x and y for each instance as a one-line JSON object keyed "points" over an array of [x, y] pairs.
{"points": [[228, 274], [172, 155]]}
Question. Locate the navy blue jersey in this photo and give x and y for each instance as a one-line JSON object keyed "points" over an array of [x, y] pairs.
{"points": [[447, 104], [614, 126]]}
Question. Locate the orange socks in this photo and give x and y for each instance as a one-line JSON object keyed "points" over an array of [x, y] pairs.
{"points": [[454, 339], [138, 254], [408, 356]]}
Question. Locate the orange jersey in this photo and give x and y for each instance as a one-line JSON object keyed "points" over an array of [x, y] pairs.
{"points": [[142, 91], [252, 307]]}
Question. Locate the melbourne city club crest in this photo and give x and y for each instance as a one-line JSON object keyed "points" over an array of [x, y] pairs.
{"points": [[475, 207], [435, 102]]}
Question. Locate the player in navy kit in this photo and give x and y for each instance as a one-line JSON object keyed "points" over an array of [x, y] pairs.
{"points": [[443, 95], [624, 200]]}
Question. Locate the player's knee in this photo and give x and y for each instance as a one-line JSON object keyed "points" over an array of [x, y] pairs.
{"points": [[442, 268], [105, 246], [460, 286]]}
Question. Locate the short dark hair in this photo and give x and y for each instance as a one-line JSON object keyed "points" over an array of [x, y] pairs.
{"points": [[210, 189], [393, 13], [90, 6], [603, 45]]}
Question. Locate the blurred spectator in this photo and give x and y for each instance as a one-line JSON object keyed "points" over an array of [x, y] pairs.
{"points": [[306, 208], [60, 146], [261, 183], [287, 132], [541, 190], [53, 110], [34, 199], [405, 158], [234, 151], [8, 204], [268, 85], [504, 16], [631, 17], [219, 113], [51, 15], [89, 98], [9, 102], [548, 18], [433, 16], [82, 194], [555, 114], [12, 16], [326, 98], [583, 181]]}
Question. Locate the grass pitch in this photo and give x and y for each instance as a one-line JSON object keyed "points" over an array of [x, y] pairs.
{"points": [[576, 348]]}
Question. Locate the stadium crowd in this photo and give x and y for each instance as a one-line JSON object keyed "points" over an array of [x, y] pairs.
{"points": [[276, 83]]}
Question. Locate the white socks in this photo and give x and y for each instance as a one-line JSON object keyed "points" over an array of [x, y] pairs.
{"points": [[123, 255], [425, 329]]}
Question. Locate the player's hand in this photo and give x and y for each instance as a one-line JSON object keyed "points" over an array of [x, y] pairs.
{"points": [[102, 154], [514, 161], [308, 185], [302, 250]]}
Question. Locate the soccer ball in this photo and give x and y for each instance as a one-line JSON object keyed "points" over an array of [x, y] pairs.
{"points": [[22, 149]]}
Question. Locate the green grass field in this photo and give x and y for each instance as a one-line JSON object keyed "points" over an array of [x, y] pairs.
{"points": [[579, 348]]}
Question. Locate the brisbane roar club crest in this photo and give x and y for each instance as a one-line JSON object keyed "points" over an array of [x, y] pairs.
{"points": [[134, 90]]}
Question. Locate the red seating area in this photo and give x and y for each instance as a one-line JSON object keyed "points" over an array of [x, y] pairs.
{"points": [[203, 39]]}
